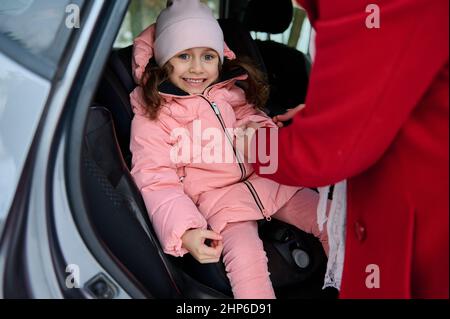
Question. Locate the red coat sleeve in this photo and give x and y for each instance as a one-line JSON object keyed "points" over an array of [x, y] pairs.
{"points": [[363, 86]]}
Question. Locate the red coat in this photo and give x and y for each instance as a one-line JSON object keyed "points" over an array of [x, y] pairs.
{"points": [[377, 114]]}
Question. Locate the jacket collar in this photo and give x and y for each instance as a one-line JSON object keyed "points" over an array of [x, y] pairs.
{"points": [[168, 87]]}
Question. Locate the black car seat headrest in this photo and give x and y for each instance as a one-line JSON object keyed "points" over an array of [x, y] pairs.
{"points": [[267, 16]]}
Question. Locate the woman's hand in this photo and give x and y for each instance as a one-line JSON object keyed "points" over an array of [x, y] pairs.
{"points": [[279, 119], [194, 241]]}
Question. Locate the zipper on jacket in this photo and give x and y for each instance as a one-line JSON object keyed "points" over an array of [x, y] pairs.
{"points": [[222, 123], [257, 200], [241, 163]]}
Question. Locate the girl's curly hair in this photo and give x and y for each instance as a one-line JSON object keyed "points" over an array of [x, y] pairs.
{"points": [[255, 86]]}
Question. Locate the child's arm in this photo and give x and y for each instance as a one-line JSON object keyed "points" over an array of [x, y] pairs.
{"points": [[171, 211]]}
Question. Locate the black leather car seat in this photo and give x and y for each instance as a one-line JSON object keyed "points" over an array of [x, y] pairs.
{"points": [[119, 218], [113, 91]]}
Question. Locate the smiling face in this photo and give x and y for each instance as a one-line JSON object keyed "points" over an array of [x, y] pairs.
{"points": [[195, 69]]}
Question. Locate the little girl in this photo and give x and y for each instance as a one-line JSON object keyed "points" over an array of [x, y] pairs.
{"points": [[188, 80]]}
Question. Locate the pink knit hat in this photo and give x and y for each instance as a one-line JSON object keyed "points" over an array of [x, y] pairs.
{"points": [[183, 25], [143, 51]]}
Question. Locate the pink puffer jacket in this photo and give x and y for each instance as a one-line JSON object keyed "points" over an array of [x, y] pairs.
{"points": [[194, 193]]}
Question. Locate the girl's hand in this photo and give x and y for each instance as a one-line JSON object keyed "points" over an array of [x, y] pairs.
{"points": [[194, 241], [279, 119]]}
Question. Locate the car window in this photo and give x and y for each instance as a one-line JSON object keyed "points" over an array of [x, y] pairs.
{"points": [[35, 27], [296, 36], [22, 99], [142, 13]]}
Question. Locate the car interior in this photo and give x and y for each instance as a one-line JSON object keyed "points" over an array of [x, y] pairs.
{"points": [[116, 210]]}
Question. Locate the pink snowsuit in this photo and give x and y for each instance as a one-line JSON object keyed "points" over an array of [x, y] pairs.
{"points": [[227, 196]]}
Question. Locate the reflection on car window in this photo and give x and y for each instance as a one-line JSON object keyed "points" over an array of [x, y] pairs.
{"points": [[34, 24], [142, 13]]}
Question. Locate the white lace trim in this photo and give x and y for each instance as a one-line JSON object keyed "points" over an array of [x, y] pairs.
{"points": [[336, 231], [322, 206]]}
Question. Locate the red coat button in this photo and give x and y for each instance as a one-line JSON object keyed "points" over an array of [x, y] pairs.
{"points": [[360, 231]]}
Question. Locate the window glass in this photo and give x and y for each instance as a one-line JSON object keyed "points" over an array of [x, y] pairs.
{"points": [[37, 26], [142, 13]]}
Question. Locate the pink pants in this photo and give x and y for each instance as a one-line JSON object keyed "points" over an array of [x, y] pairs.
{"points": [[243, 252]]}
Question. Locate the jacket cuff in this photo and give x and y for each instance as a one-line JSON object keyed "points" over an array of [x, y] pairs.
{"points": [[174, 245]]}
